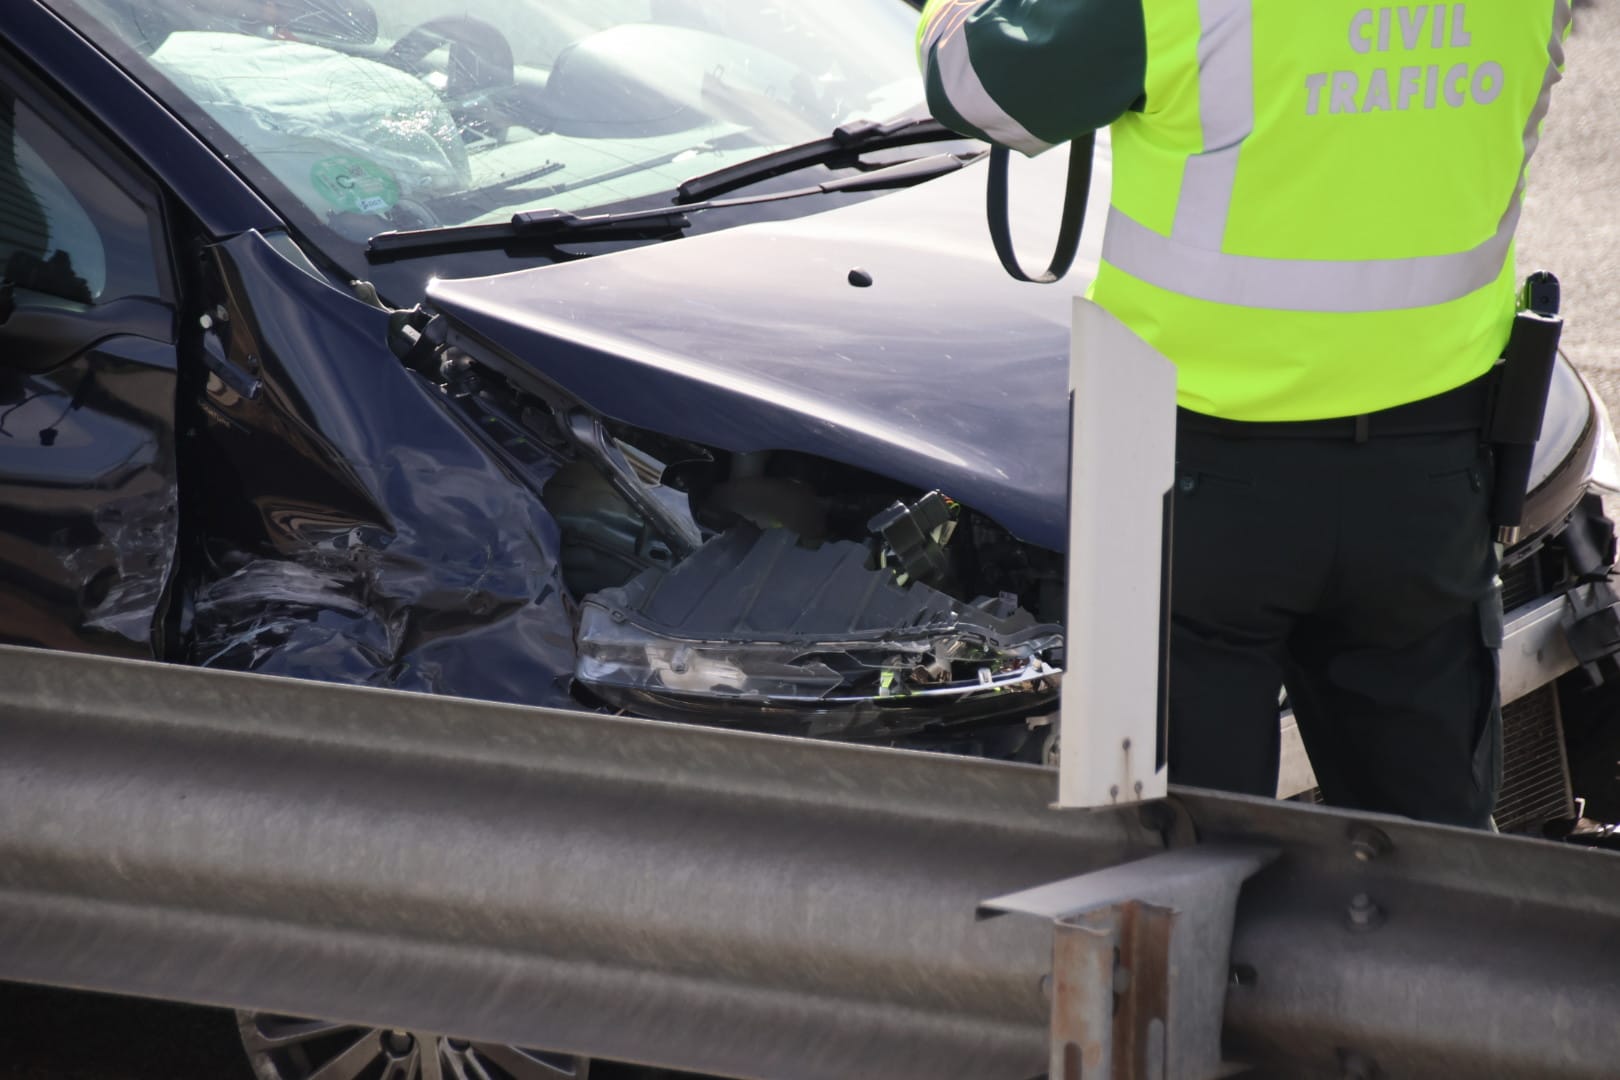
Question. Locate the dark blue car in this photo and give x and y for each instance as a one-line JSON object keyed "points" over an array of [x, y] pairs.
{"points": [[644, 355]]}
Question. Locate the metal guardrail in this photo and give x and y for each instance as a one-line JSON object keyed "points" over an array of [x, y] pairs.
{"points": [[723, 902]]}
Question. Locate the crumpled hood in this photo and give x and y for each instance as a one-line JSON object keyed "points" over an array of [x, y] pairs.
{"points": [[943, 373]]}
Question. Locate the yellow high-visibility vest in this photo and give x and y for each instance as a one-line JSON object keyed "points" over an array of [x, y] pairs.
{"points": [[1314, 201], [1313, 214]]}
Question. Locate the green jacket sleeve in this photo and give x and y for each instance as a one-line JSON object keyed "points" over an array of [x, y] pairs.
{"points": [[1030, 74]]}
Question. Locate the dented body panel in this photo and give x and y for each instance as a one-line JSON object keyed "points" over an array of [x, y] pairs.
{"points": [[347, 526], [942, 373], [89, 494]]}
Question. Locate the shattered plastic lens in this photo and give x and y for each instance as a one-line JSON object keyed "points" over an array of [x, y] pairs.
{"points": [[756, 620]]}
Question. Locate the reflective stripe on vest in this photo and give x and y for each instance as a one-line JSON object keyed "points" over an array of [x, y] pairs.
{"points": [[944, 28], [1190, 261]]}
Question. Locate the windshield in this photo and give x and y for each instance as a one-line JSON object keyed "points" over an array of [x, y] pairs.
{"points": [[416, 113]]}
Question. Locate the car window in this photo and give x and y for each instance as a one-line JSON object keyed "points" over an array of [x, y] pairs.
{"points": [[66, 228], [415, 113]]}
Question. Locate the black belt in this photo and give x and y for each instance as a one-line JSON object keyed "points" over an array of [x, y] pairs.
{"points": [[1462, 409]]}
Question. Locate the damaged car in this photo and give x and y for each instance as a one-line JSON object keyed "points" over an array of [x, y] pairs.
{"points": [[381, 466], [636, 355], [643, 355]]}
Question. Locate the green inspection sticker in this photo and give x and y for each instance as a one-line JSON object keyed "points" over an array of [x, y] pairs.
{"points": [[355, 185]]}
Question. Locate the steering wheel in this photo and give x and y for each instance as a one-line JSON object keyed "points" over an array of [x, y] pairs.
{"points": [[480, 55]]}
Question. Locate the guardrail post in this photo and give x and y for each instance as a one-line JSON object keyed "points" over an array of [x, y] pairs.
{"points": [[1141, 957], [1110, 993]]}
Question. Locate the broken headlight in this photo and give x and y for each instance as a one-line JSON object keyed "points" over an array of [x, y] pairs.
{"points": [[755, 629]]}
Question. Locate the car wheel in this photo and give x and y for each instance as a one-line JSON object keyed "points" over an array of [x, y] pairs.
{"points": [[295, 1048]]}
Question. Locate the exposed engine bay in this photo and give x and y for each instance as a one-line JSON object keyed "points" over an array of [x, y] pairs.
{"points": [[778, 591]]}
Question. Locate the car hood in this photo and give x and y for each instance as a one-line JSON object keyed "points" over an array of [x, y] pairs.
{"points": [[942, 373]]}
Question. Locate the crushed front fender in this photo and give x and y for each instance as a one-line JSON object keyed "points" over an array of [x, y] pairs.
{"points": [[342, 523]]}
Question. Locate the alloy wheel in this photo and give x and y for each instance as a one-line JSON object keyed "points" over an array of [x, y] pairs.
{"points": [[297, 1048]]}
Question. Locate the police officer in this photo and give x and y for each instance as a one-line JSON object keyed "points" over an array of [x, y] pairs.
{"points": [[1312, 215]]}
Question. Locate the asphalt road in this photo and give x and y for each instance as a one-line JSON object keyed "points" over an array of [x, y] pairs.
{"points": [[1571, 222], [1571, 226]]}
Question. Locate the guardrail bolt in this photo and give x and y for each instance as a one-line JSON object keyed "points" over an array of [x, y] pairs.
{"points": [[1363, 914], [1368, 843]]}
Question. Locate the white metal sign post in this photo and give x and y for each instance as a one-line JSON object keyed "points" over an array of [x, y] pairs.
{"points": [[1122, 401]]}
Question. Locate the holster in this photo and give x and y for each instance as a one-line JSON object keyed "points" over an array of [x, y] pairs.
{"points": [[1518, 400]]}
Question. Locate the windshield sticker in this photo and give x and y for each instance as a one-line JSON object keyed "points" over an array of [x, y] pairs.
{"points": [[355, 185]]}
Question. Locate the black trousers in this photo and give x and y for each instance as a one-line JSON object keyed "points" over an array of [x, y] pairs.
{"points": [[1361, 576]]}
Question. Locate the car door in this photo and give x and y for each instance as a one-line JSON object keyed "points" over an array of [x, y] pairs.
{"points": [[88, 494]]}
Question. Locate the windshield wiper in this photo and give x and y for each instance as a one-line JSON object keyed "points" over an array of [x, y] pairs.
{"points": [[856, 137], [544, 226]]}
